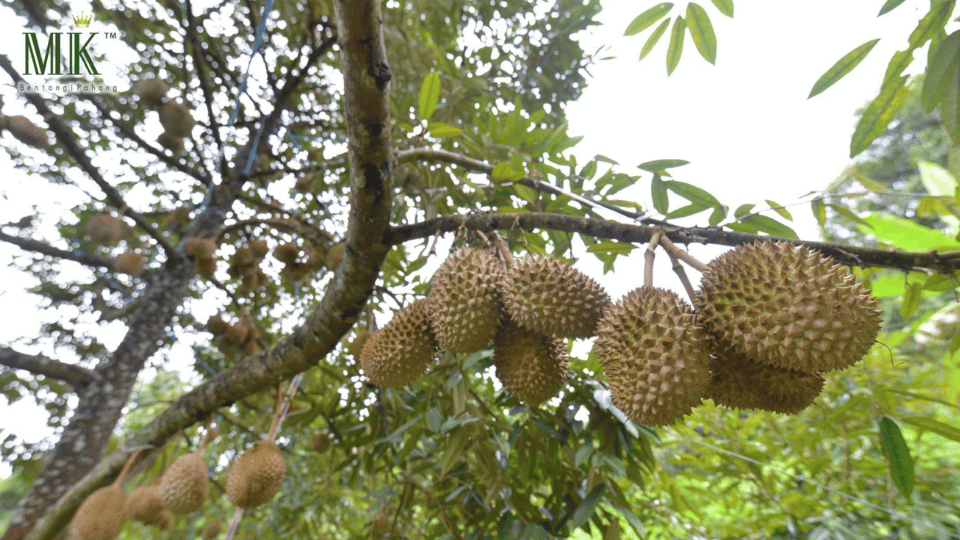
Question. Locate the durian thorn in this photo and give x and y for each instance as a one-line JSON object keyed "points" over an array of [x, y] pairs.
{"points": [[126, 466], [682, 274], [683, 255], [650, 256]]}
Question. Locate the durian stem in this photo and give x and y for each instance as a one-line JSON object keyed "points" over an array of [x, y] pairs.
{"points": [[234, 525], [126, 467], [503, 249], [649, 257], [682, 274], [683, 255], [283, 406]]}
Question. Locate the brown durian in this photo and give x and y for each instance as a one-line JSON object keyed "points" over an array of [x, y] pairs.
{"points": [[105, 230], [151, 91], [200, 247], [286, 253], [101, 515], [211, 530], [320, 442], [464, 302], [27, 132], [654, 352], [129, 262], [256, 476], [739, 383], [174, 144], [145, 506], [532, 366], [184, 485], [176, 119], [402, 351], [549, 296]]}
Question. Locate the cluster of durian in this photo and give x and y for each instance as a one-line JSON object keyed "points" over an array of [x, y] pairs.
{"points": [[527, 312], [105, 229], [769, 319], [174, 116], [238, 337], [245, 265]]}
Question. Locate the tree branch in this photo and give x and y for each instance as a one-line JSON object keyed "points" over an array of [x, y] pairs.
{"points": [[75, 375], [36, 246], [67, 139], [847, 255], [429, 154]]}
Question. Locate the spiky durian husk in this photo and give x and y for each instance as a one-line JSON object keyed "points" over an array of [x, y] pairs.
{"points": [[176, 119], [145, 505], [184, 485], [105, 230], [549, 296], [129, 262], [402, 351], [789, 307], [654, 353], [464, 302], [739, 383], [256, 476], [151, 91], [532, 366], [101, 515]]}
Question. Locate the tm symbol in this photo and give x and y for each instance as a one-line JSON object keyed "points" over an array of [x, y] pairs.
{"points": [[111, 35]]}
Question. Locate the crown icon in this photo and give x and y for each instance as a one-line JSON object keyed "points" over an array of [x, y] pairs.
{"points": [[82, 20]]}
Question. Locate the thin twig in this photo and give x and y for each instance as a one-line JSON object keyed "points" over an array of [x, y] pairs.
{"points": [[649, 257]]}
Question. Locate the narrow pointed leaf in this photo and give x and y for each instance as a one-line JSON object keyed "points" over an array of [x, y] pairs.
{"points": [[429, 95], [675, 48], [929, 424], [911, 300], [654, 38], [725, 6], [842, 67], [819, 211], [701, 31], [661, 165], [661, 201], [585, 509], [647, 18], [898, 456], [878, 114], [889, 6], [940, 71]]}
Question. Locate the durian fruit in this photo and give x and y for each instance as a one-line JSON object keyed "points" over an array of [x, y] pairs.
{"points": [[205, 266], [259, 249], [402, 351], [334, 256], [176, 119], [381, 525], [549, 296], [105, 230], [320, 442], [184, 485], [200, 247], [145, 506], [286, 253], [101, 515], [27, 132], [532, 366], [256, 476], [464, 304], [789, 307], [151, 91], [129, 262], [174, 144], [217, 326], [655, 354], [739, 383], [211, 530]]}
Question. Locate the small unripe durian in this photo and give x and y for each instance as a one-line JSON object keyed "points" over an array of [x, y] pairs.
{"points": [[151, 91], [206, 266], [27, 132], [200, 247], [101, 515], [171, 143], [259, 248], [129, 262], [211, 530], [184, 485], [739, 383], [320, 442], [217, 326], [145, 506], [256, 476], [176, 119], [287, 253], [105, 230]]}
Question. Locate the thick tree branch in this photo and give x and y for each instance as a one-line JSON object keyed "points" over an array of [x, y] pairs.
{"points": [[366, 91], [75, 375], [429, 154], [945, 263], [36, 246], [69, 143]]}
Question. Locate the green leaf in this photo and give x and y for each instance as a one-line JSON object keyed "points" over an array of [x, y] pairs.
{"points": [[908, 235], [661, 165], [949, 108], [675, 48], [719, 214], [911, 300], [778, 208], [693, 193], [878, 114], [755, 223], [687, 210], [842, 67], [647, 18], [847, 213], [725, 6], [611, 247], [429, 95], [819, 211], [898, 456], [941, 69], [654, 38], [701, 31], [441, 130], [658, 190], [929, 424], [889, 6], [506, 172], [586, 507], [743, 210]]}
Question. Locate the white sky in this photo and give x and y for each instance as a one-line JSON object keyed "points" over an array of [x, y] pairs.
{"points": [[745, 124]]}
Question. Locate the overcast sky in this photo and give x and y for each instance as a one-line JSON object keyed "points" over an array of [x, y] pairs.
{"points": [[745, 124]]}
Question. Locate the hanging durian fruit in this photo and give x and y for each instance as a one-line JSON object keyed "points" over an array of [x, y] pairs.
{"points": [[26, 131], [532, 366], [789, 307], [738, 383], [549, 296], [184, 485], [102, 514], [105, 230], [129, 262], [256, 476], [211, 530], [176, 119], [402, 351], [146, 507], [654, 353], [151, 91], [320, 442], [464, 304]]}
